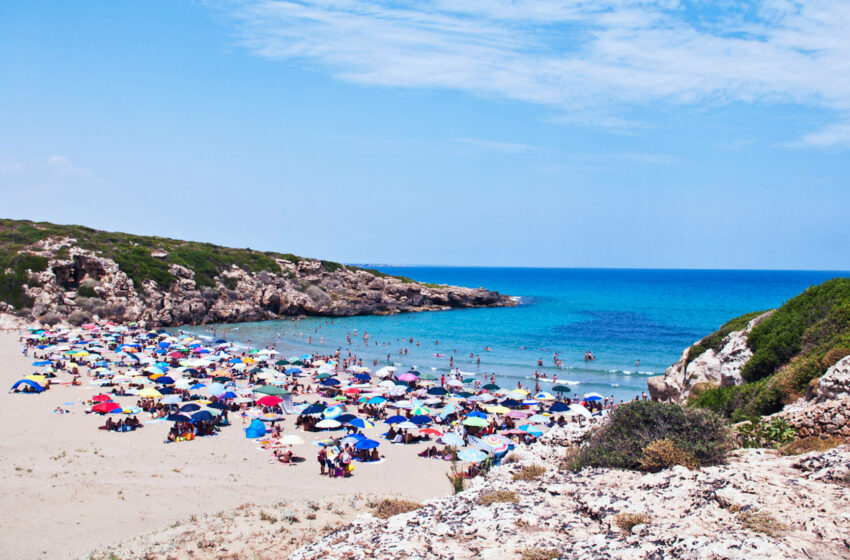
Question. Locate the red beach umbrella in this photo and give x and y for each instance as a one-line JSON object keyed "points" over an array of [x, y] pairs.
{"points": [[105, 407], [101, 398], [269, 400]]}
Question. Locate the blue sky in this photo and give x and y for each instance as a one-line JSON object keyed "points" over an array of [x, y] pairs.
{"points": [[612, 133]]}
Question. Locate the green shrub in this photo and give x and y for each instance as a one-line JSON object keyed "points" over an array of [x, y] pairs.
{"points": [[758, 433], [620, 442]]}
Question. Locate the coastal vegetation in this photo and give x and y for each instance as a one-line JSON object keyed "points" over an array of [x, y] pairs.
{"points": [[791, 348], [649, 436], [141, 257]]}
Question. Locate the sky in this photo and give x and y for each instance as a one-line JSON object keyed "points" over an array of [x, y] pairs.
{"points": [[574, 133]]}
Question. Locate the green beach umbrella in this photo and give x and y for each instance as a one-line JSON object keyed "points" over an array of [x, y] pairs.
{"points": [[561, 389], [271, 390], [475, 421], [491, 387]]}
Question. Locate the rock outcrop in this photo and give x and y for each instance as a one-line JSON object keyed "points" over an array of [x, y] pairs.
{"points": [[759, 506], [712, 368], [85, 285], [835, 383]]}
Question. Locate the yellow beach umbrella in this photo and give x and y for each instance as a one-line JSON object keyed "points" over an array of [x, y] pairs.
{"points": [[498, 409], [150, 392]]}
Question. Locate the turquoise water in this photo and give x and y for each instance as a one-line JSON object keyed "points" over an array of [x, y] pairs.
{"points": [[620, 315]]}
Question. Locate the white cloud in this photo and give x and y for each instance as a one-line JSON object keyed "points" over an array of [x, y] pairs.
{"points": [[586, 59], [59, 161]]}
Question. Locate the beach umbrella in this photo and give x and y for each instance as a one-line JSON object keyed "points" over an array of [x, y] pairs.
{"points": [[316, 408], [221, 379], [421, 410], [361, 423], [491, 387], [538, 419], [362, 376], [217, 406], [544, 396], [593, 397], [376, 400], [474, 421], [397, 419], [352, 391], [269, 400], [332, 411], [101, 398], [407, 426], [328, 423], [227, 395], [41, 363], [407, 377], [171, 399], [105, 407], [465, 394], [559, 407], [452, 439], [150, 392], [421, 419], [476, 414], [202, 415], [216, 389], [431, 432], [345, 418], [366, 444], [510, 403], [178, 418], [498, 409], [165, 380], [496, 443], [271, 390], [330, 382], [562, 389], [291, 439], [471, 455], [385, 371], [531, 429], [437, 391], [579, 410], [292, 370], [190, 407]]}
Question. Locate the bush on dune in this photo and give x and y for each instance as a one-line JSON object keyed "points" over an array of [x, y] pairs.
{"points": [[647, 435]]}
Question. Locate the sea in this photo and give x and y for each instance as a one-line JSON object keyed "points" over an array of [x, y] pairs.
{"points": [[636, 323]]}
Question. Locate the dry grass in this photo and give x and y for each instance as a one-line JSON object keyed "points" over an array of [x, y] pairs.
{"points": [[264, 516], [530, 472], [537, 553], [498, 496], [762, 522], [809, 444], [627, 521], [569, 460], [392, 506], [664, 453]]}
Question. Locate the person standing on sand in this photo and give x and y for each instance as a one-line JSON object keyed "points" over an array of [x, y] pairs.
{"points": [[322, 458]]}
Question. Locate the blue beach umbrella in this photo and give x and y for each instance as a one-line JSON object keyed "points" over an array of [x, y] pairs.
{"points": [[376, 400], [366, 444], [476, 414], [41, 363], [397, 419], [471, 454], [360, 423], [330, 381], [437, 391], [191, 407], [178, 418], [421, 420], [559, 407], [452, 439], [346, 418], [201, 416]]}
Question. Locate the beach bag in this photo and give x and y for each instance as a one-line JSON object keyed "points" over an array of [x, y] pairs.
{"points": [[350, 467], [339, 471]]}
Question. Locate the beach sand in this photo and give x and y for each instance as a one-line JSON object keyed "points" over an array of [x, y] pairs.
{"points": [[68, 488]]}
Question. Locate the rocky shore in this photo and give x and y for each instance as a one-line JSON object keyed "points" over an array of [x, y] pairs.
{"points": [[758, 506], [78, 284], [721, 368]]}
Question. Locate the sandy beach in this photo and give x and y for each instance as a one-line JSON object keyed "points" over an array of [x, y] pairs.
{"points": [[69, 488]]}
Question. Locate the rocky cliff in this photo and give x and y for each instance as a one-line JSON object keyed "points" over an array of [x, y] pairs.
{"points": [[710, 368], [53, 273]]}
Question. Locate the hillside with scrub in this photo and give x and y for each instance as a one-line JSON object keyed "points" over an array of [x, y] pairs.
{"points": [[52, 272], [757, 363]]}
